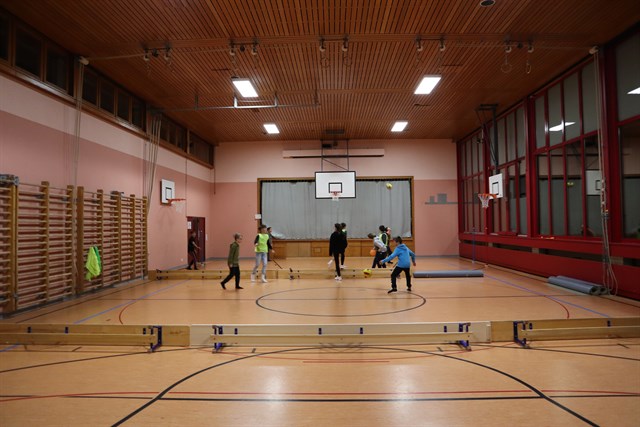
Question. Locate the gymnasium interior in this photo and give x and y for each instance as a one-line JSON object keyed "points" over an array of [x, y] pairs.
{"points": [[496, 142]]}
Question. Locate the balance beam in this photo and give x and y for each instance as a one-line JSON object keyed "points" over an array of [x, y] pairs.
{"points": [[524, 332], [111, 335], [345, 339], [341, 334], [447, 273]]}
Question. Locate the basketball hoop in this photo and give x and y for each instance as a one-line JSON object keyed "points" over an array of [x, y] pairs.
{"points": [[178, 204], [485, 197], [335, 195]]}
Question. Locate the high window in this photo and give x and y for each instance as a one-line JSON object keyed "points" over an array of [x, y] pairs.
{"points": [[568, 169], [628, 132]]}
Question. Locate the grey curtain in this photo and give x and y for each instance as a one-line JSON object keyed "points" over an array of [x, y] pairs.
{"points": [[293, 212]]}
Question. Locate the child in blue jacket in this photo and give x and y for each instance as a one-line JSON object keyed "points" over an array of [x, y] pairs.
{"points": [[405, 256]]}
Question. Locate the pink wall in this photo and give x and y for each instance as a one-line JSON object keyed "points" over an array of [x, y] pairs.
{"points": [[36, 136]]}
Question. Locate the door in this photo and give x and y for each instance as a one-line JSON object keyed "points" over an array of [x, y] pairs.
{"points": [[196, 223]]}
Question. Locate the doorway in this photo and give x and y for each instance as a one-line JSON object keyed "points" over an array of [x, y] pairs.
{"points": [[196, 223]]}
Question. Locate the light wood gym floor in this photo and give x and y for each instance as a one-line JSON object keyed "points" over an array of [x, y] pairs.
{"points": [[554, 383]]}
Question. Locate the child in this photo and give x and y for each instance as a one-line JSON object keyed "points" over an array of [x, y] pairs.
{"points": [[233, 261], [192, 249], [380, 249], [262, 243], [343, 228], [337, 245], [403, 253]]}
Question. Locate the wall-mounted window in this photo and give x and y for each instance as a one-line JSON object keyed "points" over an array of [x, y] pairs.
{"points": [[568, 174], [137, 112], [28, 52], [4, 37], [58, 69], [107, 96], [90, 87], [507, 212], [124, 106], [471, 157], [628, 97], [200, 149]]}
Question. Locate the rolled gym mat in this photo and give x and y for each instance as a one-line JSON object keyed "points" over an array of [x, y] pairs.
{"points": [[601, 289], [591, 289], [447, 273]]}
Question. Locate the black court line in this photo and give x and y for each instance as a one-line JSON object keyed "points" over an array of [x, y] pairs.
{"points": [[539, 393], [267, 298]]}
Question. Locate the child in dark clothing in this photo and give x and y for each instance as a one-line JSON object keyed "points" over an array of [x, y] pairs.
{"points": [[337, 245], [233, 261]]}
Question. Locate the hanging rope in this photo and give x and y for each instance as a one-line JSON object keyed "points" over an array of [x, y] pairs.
{"points": [[151, 157], [608, 276], [74, 154]]}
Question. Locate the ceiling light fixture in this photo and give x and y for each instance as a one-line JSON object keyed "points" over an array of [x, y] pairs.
{"points": [[254, 48], [442, 45], [321, 47], [419, 46], [345, 44], [271, 128], [399, 126], [427, 84], [485, 3], [145, 57], [635, 91], [245, 87]]}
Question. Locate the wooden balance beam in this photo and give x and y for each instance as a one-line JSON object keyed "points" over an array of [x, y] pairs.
{"points": [[47, 334], [524, 332], [344, 339], [343, 334]]}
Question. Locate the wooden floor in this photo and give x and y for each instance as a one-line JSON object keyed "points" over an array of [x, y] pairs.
{"points": [[554, 383]]}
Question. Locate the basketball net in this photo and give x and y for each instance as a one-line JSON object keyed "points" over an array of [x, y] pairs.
{"points": [[485, 197], [178, 204], [335, 195]]}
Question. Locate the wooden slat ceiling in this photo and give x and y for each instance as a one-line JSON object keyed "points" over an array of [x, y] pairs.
{"points": [[361, 91]]}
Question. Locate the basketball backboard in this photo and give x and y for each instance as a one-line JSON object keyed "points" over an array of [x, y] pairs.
{"points": [[342, 182], [167, 191], [496, 184]]}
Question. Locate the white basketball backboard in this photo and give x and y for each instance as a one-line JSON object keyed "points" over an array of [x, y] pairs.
{"points": [[496, 184], [342, 182], [167, 191]]}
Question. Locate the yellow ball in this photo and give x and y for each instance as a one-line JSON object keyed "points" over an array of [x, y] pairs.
{"points": [[367, 272], [389, 186]]}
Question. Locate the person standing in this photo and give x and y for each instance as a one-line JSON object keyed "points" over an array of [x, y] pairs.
{"points": [[262, 245], [270, 243], [384, 238], [388, 231], [343, 228], [192, 251], [337, 245], [380, 249], [405, 258], [233, 261]]}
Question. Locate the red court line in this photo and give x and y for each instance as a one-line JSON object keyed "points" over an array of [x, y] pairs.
{"points": [[244, 393]]}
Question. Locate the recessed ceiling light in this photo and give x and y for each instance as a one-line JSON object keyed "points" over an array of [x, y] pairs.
{"points": [[486, 3], [399, 126], [245, 87], [636, 91], [427, 84], [271, 128], [559, 127]]}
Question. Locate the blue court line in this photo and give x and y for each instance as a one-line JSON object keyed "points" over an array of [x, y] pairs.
{"points": [[547, 296], [550, 297], [110, 309]]}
